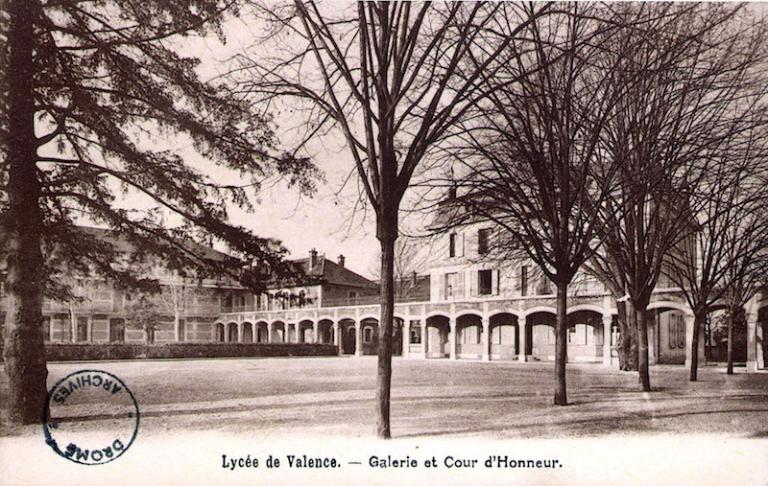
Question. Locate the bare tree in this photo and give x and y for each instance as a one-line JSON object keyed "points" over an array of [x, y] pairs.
{"points": [[389, 76], [534, 161], [687, 70], [409, 263], [723, 260]]}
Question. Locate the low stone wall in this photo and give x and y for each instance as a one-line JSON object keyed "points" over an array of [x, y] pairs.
{"points": [[84, 352]]}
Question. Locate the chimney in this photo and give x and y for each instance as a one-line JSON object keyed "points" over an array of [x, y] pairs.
{"points": [[414, 278], [312, 258], [452, 191], [341, 261]]}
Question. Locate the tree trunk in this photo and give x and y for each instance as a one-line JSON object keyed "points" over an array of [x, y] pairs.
{"points": [[731, 317], [698, 319], [642, 348], [561, 344], [627, 345], [24, 350], [384, 375]]}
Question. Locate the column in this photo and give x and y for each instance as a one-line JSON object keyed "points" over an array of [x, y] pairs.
{"points": [[752, 342], [653, 336], [239, 332], [315, 333], [688, 339], [452, 341], [486, 338], [406, 338], [759, 344], [269, 332], [424, 345], [358, 339], [523, 322], [337, 337], [607, 321]]}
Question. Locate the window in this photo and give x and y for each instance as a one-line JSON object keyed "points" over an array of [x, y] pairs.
{"points": [[450, 284], [47, 328], [82, 329], [182, 329], [483, 241], [485, 282], [116, 330], [415, 332], [452, 245], [524, 280], [676, 331], [367, 335]]}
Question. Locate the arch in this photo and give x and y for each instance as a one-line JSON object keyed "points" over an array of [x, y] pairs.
{"points": [[261, 333], [219, 332], [347, 333], [369, 334], [470, 312], [232, 332], [504, 328], [585, 336], [436, 340], [589, 307], [305, 329], [540, 309], [513, 312], [469, 336], [247, 332], [279, 331], [326, 332], [437, 314], [540, 333], [662, 304]]}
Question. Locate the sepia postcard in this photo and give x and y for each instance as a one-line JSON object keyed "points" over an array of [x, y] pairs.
{"points": [[337, 242]]}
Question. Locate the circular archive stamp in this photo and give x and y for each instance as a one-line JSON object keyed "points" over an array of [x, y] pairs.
{"points": [[91, 417]]}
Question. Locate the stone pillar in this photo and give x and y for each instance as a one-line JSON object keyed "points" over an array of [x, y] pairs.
{"points": [[269, 332], [653, 355], [607, 321], [523, 324], [486, 339], [406, 338], [239, 332], [424, 343], [358, 339], [337, 337], [452, 337], [753, 348], [316, 333], [689, 319]]}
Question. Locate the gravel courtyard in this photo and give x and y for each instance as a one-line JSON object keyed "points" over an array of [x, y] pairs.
{"points": [[433, 398]]}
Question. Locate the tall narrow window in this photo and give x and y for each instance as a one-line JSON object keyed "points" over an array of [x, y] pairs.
{"points": [[116, 330], [47, 328], [452, 245], [483, 241], [182, 330], [450, 284], [82, 329], [485, 282], [524, 280]]}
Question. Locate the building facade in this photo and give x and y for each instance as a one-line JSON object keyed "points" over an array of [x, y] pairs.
{"points": [[481, 308], [470, 306]]}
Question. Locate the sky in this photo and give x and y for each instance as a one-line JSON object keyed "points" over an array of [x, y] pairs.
{"points": [[324, 222]]}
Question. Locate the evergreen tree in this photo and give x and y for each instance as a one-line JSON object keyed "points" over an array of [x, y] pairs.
{"points": [[86, 88]]}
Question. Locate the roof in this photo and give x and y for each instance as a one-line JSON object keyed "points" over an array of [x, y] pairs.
{"points": [[332, 273], [122, 244]]}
